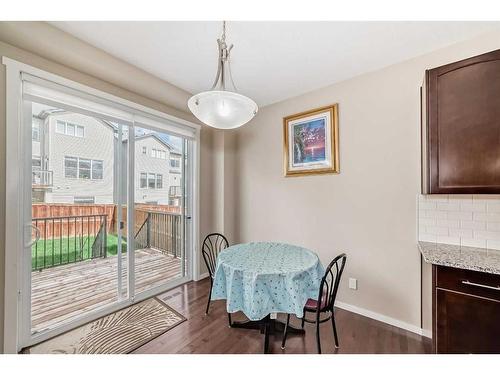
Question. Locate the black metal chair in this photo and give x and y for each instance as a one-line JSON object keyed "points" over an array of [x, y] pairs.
{"points": [[325, 302], [213, 244]]}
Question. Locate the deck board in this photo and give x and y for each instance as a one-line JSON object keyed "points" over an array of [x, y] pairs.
{"points": [[64, 292]]}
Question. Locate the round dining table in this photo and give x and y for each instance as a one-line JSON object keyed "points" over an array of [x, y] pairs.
{"points": [[262, 279]]}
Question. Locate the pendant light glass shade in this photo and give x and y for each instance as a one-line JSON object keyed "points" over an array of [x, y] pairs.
{"points": [[222, 109], [219, 107]]}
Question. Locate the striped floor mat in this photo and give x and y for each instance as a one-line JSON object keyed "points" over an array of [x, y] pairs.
{"points": [[117, 333]]}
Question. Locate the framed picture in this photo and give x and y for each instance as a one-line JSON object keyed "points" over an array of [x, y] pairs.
{"points": [[311, 144]]}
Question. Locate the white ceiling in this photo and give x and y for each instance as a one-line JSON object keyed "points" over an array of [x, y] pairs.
{"points": [[271, 61]]}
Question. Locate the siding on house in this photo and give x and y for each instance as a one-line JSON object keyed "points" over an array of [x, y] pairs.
{"points": [[145, 163], [97, 144]]}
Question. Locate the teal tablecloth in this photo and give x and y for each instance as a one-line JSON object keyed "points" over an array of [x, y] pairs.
{"points": [[260, 278]]}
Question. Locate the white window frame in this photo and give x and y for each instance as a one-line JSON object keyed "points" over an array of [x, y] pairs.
{"points": [[17, 235]]}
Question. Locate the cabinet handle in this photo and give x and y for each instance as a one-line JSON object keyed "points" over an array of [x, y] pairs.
{"points": [[467, 282]]}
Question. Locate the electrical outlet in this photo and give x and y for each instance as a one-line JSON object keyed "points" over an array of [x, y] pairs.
{"points": [[353, 283]]}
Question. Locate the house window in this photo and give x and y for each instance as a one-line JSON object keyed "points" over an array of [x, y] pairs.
{"points": [[175, 163], [82, 168], [84, 200], [151, 180], [74, 130], [70, 167], [36, 162], [144, 180], [159, 181], [35, 132], [153, 153], [97, 169], [144, 150]]}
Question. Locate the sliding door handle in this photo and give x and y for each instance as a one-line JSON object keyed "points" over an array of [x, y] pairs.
{"points": [[467, 282]]}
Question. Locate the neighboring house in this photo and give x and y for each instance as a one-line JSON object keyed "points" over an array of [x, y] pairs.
{"points": [[74, 162], [157, 171]]}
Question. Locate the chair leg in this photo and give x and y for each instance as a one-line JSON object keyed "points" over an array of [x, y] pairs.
{"points": [[229, 319], [285, 332], [317, 336], [303, 318], [208, 303], [335, 336]]}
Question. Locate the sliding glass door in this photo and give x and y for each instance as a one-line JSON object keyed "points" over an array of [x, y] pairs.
{"points": [[107, 207]]}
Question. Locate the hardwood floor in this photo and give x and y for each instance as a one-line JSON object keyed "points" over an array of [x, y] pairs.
{"points": [[210, 333], [63, 292]]}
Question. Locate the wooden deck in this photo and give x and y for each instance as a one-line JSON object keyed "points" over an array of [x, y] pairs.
{"points": [[63, 292]]}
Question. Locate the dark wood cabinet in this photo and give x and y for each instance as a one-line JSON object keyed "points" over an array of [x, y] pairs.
{"points": [[466, 311], [461, 127]]}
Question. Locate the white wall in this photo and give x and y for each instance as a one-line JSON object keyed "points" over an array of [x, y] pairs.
{"points": [[369, 210]]}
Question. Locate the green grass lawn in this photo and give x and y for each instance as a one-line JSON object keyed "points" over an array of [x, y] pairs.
{"points": [[47, 253]]}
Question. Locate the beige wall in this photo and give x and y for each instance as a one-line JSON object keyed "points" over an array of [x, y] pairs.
{"points": [[369, 210], [47, 48]]}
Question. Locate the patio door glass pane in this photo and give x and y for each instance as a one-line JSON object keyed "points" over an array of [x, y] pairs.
{"points": [[158, 208], [77, 206]]}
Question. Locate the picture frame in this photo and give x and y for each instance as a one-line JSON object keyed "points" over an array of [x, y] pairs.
{"points": [[311, 142]]}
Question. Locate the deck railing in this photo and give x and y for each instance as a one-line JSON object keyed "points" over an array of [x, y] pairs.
{"points": [[161, 231], [68, 239]]}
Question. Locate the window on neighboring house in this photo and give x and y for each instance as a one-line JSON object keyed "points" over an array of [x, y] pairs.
{"points": [[175, 163], [70, 167], [151, 180], [74, 130], [36, 162], [97, 169], [35, 132], [84, 200], [153, 153], [159, 181], [85, 169], [144, 180], [144, 150]]}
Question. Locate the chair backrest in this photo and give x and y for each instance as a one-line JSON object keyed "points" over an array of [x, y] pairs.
{"points": [[330, 282], [213, 244]]}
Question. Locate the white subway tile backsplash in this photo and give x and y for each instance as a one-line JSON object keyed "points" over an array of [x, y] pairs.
{"points": [[486, 235], [427, 237], [473, 242], [425, 205], [493, 207], [473, 207], [490, 217], [469, 224], [437, 230], [460, 215], [493, 226], [462, 233], [467, 220], [492, 244], [447, 223], [448, 206], [449, 240]]}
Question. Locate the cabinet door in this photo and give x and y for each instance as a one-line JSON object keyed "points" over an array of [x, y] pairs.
{"points": [[462, 127], [466, 323]]}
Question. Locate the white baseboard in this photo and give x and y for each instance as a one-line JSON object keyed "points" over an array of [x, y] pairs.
{"points": [[383, 318], [427, 333], [203, 276]]}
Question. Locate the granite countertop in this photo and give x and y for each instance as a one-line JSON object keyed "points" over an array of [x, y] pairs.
{"points": [[469, 258]]}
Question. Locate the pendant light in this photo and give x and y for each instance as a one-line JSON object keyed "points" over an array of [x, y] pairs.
{"points": [[222, 107]]}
